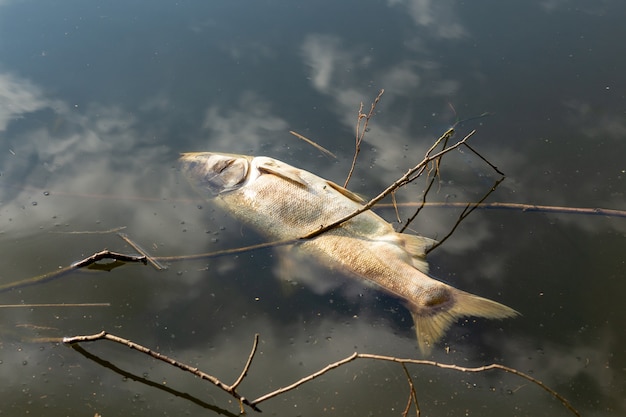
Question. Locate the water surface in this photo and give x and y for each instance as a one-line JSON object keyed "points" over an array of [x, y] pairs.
{"points": [[98, 99]]}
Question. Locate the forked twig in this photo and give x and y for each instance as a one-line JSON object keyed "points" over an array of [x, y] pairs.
{"points": [[232, 389], [412, 394], [409, 176], [403, 362], [360, 133]]}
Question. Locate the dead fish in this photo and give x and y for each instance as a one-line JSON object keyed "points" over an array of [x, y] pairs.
{"points": [[284, 202]]}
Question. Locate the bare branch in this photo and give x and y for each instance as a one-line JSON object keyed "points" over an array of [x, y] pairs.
{"points": [[231, 389]]}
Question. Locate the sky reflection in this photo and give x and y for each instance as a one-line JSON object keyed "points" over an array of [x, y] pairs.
{"points": [[96, 102]]}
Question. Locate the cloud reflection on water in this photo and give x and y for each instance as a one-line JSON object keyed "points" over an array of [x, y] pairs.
{"points": [[106, 165]]}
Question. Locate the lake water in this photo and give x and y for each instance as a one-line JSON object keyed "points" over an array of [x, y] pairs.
{"points": [[97, 99]]}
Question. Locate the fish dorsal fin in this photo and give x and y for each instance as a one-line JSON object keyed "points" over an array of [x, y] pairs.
{"points": [[416, 246], [347, 193], [286, 172]]}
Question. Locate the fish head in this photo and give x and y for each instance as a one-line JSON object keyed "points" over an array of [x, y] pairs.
{"points": [[215, 172]]}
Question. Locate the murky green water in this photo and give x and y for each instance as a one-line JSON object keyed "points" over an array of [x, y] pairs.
{"points": [[98, 99]]}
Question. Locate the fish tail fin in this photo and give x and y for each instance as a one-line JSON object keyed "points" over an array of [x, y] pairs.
{"points": [[432, 323]]}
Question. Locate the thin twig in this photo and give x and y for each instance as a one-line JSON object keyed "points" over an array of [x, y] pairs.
{"points": [[412, 394], [393, 201], [357, 355], [244, 372], [89, 232], [416, 170], [55, 305], [466, 212], [360, 133], [232, 251], [103, 335], [419, 208], [595, 211], [98, 256], [107, 254], [495, 168], [315, 145], [155, 264], [231, 389], [306, 379], [478, 369]]}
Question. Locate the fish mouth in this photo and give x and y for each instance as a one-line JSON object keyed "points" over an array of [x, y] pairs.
{"points": [[215, 172]]}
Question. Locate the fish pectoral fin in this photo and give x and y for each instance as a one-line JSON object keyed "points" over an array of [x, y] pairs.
{"points": [[286, 172], [345, 192]]}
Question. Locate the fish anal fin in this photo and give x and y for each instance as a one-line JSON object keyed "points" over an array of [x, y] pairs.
{"points": [[433, 320], [345, 192], [416, 247], [286, 172]]}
